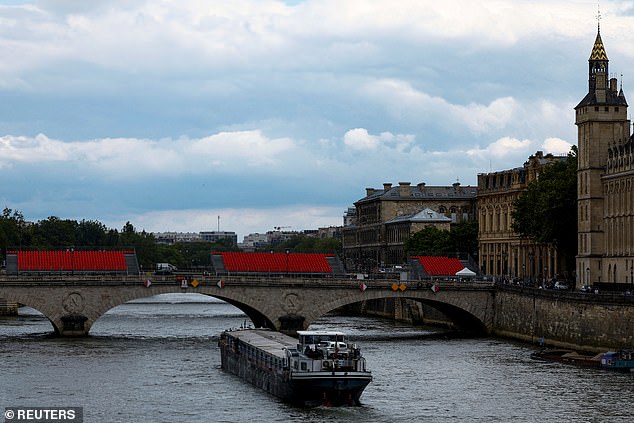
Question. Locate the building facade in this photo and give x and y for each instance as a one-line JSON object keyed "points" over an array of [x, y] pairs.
{"points": [[176, 237], [183, 237], [385, 218], [502, 252], [605, 177], [215, 236]]}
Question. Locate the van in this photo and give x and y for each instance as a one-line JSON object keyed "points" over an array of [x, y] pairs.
{"points": [[165, 269]]}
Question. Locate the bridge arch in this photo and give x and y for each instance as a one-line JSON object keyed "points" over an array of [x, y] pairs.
{"points": [[246, 305], [458, 312], [37, 303], [257, 317]]}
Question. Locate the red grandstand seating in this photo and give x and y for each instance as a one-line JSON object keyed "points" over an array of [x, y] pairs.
{"points": [[275, 262], [440, 266], [70, 260]]}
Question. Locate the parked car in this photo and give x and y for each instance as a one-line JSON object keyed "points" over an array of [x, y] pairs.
{"points": [[562, 286], [165, 268], [585, 288]]}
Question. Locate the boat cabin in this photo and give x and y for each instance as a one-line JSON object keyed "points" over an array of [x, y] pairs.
{"points": [[325, 344], [324, 338]]}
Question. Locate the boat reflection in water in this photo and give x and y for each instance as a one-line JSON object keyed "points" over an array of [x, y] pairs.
{"points": [[319, 368]]}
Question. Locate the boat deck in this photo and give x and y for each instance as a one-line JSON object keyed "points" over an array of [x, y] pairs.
{"points": [[266, 340]]}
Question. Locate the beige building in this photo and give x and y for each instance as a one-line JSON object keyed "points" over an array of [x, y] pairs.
{"points": [[502, 253], [605, 178], [385, 218]]}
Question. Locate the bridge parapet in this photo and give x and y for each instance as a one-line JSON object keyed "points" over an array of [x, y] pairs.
{"points": [[238, 280]]}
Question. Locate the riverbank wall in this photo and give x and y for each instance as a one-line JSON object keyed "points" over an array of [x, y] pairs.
{"points": [[580, 321]]}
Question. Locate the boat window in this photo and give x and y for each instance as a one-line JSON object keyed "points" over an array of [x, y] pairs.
{"points": [[303, 365]]}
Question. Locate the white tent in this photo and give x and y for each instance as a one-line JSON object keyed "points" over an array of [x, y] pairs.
{"points": [[465, 273]]}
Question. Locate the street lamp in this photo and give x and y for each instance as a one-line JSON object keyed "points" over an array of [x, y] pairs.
{"points": [[531, 254]]}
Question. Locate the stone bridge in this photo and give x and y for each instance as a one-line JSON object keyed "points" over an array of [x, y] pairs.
{"points": [[288, 304]]}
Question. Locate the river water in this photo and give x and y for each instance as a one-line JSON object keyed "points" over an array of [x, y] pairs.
{"points": [[157, 360]]}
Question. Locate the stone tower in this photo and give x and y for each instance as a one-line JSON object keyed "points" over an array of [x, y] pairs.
{"points": [[601, 119]]}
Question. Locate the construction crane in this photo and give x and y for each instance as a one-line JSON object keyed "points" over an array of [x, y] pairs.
{"points": [[277, 228]]}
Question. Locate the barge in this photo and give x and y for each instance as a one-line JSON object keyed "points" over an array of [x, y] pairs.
{"points": [[319, 368], [622, 360]]}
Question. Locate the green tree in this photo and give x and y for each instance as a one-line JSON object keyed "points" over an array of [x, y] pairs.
{"points": [[547, 211], [309, 244], [54, 232], [464, 237], [143, 243], [93, 233], [13, 231], [429, 241], [191, 255]]}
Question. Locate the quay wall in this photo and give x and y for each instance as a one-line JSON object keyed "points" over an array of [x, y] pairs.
{"points": [[575, 320], [565, 319]]}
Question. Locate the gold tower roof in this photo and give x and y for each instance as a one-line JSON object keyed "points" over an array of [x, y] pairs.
{"points": [[598, 50]]}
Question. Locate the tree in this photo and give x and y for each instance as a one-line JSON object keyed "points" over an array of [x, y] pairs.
{"points": [[547, 211], [429, 241], [55, 233], [93, 233], [12, 229], [309, 244], [464, 237], [143, 243]]}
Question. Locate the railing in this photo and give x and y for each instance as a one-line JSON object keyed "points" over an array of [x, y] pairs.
{"points": [[588, 297], [237, 280]]}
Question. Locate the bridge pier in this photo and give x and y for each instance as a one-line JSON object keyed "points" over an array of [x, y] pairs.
{"points": [[72, 325], [8, 308], [291, 323]]}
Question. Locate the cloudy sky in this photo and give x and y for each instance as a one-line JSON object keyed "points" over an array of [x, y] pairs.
{"points": [[280, 113]]}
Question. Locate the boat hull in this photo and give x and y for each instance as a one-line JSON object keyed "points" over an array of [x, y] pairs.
{"points": [[329, 388]]}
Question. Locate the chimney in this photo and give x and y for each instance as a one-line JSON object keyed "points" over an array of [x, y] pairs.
{"points": [[421, 186], [369, 191], [404, 189], [613, 85], [386, 187]]}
